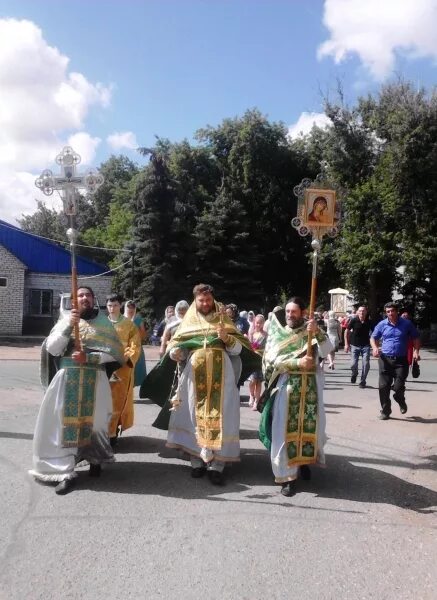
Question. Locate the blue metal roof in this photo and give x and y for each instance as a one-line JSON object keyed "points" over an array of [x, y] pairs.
{"points": [[42, 256]]}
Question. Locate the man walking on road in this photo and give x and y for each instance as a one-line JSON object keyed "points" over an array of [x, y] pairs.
{"points": [[392, 354], [73, 420], [357, 340]]}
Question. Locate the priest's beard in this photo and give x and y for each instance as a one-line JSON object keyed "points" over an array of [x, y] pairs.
{"points": [[294, 323], [87, 313]]}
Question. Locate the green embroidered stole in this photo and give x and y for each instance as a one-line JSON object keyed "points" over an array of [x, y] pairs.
{"points": [[96, 335], [79, 402], [283, 347], [301, 428]]}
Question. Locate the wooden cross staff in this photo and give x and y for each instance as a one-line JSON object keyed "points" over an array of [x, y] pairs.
{"points": [[68, 183]]}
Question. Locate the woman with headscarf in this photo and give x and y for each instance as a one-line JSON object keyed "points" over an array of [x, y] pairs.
{"points": [[173, 323]]}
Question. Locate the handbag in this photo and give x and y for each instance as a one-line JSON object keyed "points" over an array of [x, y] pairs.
{"points": [[415, 369]]}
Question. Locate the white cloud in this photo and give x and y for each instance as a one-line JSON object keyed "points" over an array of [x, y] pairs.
{"points": [[85, 145], [376, 30], [42, 105], [125, 139], [18, 195], [306, 122]]}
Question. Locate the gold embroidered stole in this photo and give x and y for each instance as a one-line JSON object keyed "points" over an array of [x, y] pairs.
{"points": [[197, 330], [208, 372]]}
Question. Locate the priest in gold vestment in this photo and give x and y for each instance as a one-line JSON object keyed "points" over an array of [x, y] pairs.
{"points": [[205, 402]]}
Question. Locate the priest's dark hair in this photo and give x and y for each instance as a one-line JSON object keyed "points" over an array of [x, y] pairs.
{"points": [[203, 288], [86, 287], [299, 301]]}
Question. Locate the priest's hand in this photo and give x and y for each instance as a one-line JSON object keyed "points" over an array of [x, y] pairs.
{"points": [[306, 363], [74, 317], [222, 333], [79, 357], [312, 326], [177, 354]]}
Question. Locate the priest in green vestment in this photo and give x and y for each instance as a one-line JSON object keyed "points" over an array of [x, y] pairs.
{"points": [[73, 420], [293, 419]]}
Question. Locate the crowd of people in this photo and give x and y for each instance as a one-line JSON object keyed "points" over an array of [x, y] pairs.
{"points": [[91, 363]]}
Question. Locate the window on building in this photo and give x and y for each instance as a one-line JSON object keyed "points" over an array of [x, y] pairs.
{"points": [[3, 282], [40, 302]]}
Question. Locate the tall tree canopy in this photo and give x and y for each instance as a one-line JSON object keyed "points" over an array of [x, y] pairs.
{"points": [[219, 210]]}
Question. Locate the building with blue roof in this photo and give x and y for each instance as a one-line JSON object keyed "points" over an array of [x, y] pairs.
{"points": [[33, 273]]}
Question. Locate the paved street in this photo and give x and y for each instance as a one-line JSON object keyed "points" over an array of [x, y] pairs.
{"points": [[365, 527]]}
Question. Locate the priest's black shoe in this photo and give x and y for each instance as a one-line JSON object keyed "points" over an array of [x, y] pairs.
{"points": [[305, 472], [64, 487], [95, 470], [289, 488], [216, 477], [198, 472]]}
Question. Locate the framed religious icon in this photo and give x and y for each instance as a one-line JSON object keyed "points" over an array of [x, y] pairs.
{"points": [[319, 208]]}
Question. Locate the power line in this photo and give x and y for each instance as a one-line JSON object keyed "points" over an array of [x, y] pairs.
{"points": [[106, 272]]}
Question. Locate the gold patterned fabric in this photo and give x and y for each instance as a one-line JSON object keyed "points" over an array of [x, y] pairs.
{"points": [[122, 381], [208, 368], [208, 384], [196, 325]]}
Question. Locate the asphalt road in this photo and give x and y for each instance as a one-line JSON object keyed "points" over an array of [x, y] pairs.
{"points": [[365, 527]]}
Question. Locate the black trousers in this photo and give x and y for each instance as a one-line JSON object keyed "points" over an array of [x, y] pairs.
{"points": [[392, 371]]}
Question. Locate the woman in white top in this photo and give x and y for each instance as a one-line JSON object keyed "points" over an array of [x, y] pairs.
{"points": [[333, 329]]}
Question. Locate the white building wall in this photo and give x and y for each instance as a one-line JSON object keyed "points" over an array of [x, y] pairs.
{"points": [[11, 296], [61, 284]]}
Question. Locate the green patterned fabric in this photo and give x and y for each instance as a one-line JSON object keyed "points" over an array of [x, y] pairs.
{"points": [[284, 348], [302, 417], [159, 382], [79, 402]]}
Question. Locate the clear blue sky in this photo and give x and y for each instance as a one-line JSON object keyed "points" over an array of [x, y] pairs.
{"points": [[177, 65]]}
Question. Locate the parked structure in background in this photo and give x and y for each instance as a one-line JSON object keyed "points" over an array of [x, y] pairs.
{"points": [[34, 272]]}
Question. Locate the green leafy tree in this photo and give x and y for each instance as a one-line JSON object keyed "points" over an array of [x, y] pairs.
{"points": [[225, 257], [160, 257]]}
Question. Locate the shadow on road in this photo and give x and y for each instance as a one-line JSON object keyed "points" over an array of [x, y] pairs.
{"points": [[345, 478], [343, 406], [360, 483], [16, 436]]}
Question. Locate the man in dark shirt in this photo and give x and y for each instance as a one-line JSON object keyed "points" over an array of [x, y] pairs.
{"points": [[392, 354], [357, 340]]}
